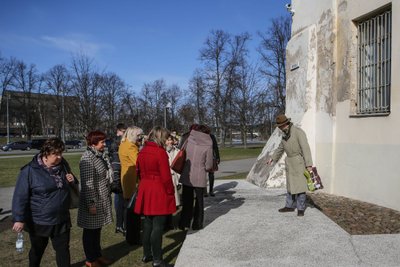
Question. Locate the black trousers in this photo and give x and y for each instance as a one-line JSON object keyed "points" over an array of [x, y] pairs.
{"points": [[211, 179], [60, 244], [91, 243], [153, 228], [190, 194]]}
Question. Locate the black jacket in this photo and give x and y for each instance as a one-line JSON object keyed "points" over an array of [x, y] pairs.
{"points": [[36, 197]]}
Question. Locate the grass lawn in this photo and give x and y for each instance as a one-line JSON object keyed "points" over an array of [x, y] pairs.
{"points": [[9, 167], [114, 247]]}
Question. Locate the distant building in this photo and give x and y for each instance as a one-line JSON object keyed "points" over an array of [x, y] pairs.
{"points": [[34, 113], [343, 88]]}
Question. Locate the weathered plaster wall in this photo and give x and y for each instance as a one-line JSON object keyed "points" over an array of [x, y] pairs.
{"points": [[358, 157], [310, 93]]}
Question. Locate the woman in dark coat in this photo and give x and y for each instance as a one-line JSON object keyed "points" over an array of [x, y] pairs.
{"points": [[95, 199], [41, 202], [155, 198]]}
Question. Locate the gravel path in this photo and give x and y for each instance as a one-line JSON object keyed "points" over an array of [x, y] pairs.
{"points": [[356, 217]]}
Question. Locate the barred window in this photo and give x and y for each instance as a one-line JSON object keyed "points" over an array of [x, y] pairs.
{"points": [[374, 64]]}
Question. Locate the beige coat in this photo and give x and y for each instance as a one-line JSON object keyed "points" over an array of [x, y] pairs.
{"points": [[298, 158], [175, 176], [199, 159]]}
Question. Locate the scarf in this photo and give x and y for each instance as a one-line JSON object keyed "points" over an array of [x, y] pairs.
{"points": [[286, 132], [55, 171], [106, 161]]}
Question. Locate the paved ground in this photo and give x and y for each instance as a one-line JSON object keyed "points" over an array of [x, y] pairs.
{"points": [[244, 228]]}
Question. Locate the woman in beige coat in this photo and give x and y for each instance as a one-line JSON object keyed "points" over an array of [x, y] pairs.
{"points": [[294, 143]]}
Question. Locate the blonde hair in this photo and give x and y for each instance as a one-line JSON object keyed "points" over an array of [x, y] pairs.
{"points": [[132, 134], [159, 135]]}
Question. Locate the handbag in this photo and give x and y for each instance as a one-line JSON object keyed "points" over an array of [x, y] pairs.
{"points": [[74, 194], [313, 179], [116, 186], [179, 161], [73, 188], [131, 204]]}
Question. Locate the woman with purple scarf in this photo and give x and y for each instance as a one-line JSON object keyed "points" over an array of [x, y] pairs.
{"points": [[41, 202]]}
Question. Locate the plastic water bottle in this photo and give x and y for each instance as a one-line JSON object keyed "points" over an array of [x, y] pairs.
{"points": [[19, 244]]}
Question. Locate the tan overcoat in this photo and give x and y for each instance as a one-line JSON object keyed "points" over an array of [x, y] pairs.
{"points": [[298, 158]]}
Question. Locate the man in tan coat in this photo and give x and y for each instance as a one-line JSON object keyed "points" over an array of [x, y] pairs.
{"points": [[294, 143]]}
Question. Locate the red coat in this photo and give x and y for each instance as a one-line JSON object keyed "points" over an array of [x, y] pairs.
{"points": [[156, 190]]}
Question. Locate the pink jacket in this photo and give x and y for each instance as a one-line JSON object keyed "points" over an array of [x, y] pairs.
{"points": [[199, 159]]}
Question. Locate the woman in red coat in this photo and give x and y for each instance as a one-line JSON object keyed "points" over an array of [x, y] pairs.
{"points": [[155, 198]]}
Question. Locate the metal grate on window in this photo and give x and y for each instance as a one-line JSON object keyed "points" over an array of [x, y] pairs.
{"points": [[374, 64]]}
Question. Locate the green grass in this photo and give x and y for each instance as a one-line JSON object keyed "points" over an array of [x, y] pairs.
{"points": [[233, 153], [9, 167], [237, 176], [113, 245]]}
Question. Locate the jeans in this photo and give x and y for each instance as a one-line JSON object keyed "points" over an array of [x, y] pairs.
{"points": [[296, 201], [60, 244], [119, 210]]}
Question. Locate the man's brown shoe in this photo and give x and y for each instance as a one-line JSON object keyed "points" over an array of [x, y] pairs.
{"points": [[286, 209], [300, 213]]}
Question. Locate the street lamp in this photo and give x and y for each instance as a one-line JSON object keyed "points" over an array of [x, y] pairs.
{"points": [[8, 121], [63, 117], [165, 114]]}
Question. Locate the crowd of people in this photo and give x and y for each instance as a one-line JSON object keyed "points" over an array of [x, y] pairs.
{"points": [[147, 191], [137, 169]]}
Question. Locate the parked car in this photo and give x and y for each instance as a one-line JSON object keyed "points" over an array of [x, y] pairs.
{"points": [[71, 144], [37, 143], [19, 145]]}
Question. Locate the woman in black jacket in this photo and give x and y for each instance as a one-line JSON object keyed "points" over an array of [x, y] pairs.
{"points": [[41, 202]]}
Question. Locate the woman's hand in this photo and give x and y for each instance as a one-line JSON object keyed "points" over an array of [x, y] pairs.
{"points": [[269, 162], [18, 227], [92, 210], [70, 177]]}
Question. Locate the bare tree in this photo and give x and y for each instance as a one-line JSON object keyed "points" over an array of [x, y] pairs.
{"points": [[173, 96], [197, 87], [113, 89], [7, 72], [26, 80], [215, 56], [245, 99], [86, 86], [273, 55], [58, 84]]}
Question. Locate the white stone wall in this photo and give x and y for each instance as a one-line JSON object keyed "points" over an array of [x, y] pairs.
{"points": [[356, 157]]}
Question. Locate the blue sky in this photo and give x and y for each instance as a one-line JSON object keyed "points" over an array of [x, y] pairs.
{"points": [[141, 41]]}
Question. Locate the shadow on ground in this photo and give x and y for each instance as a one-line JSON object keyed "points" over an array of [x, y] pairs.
{"points": [[222, 203]]}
